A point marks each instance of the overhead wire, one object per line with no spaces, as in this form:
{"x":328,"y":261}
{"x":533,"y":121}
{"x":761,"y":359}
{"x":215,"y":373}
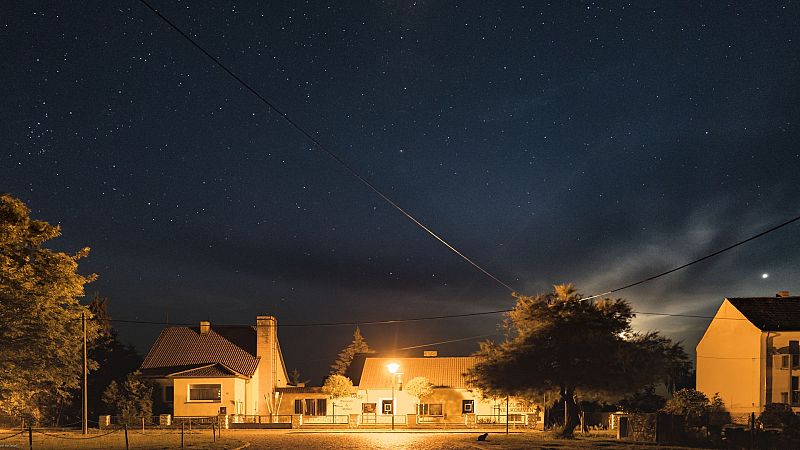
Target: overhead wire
{"x":324,"y":148}
{"x":501,"y":311}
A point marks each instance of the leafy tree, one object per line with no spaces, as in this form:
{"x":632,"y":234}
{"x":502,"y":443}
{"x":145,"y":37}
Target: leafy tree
{"x":337,"y":386}
{"x":419,"y":387}
{"x":693,"y":404}
{"x":559,"y":342}
{"x":359,"y":345}
{"x":643,"y":401}
{"x":41,"y":339}
{"x":131,"y":399}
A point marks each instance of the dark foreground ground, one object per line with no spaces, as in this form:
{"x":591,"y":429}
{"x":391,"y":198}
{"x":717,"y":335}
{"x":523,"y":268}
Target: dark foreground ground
{"x":426,"y":441}
{"x":297,"y":439}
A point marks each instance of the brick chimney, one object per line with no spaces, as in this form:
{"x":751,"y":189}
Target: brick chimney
{"x":267,"y":351}
{"x":782,"y":294}
{"x":205,"y":327}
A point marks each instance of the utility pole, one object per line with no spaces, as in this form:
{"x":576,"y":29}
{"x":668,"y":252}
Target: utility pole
{"x":84,"y":420}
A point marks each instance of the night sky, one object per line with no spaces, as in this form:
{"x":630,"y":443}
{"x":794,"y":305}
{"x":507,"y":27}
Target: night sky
{"x":579,"y":142}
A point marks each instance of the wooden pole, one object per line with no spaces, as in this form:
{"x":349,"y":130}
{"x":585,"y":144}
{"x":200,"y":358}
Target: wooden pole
{"x":85,"y":408}
{"x":126,"y":436}
{"x":181,"y":434}
{"x":30,"y":437}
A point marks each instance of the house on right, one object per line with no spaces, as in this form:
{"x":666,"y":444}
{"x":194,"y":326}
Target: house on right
{"x":750,"y":355}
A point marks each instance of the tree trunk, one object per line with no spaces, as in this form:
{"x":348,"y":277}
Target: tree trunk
{"x":571,"y":413}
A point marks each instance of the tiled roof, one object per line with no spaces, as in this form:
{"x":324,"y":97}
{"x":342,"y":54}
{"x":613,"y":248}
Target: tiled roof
{"x":440,"y":371}
{"x":185,"y":347}
{"x":206,"y":371}
{"x":770,"y":313}
{"x":300,"y":390}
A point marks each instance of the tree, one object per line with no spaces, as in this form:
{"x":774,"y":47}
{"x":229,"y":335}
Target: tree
{"x":131,"y":399}
{"x":420,"y":388}
{"x":295,"y":378}
{"x":559,"y":342}
{"x":40,"y":316}
{"x":643,"y":401}
{"x":359,"y":345}
{"x":337,"y":386}
{"x":693,"y":404}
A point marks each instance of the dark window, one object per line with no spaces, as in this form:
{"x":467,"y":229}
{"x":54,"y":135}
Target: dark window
{"x":795,"y":361}
{"x":205,"y":392}
{"x":467,"y":406}
{"x":298,"y":406}
{"x":311,"y":407}
{"x":322,"y":407}
{"x":169,"y":394}
{"x":795,"y":390}
{"x":784,"y":361}
{"x":430,"y":409}
{"x":369,"y":408}
{"x":795,"y":383}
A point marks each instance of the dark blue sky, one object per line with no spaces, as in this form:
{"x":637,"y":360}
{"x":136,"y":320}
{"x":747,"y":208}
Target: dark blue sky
{"x":576,"y":141}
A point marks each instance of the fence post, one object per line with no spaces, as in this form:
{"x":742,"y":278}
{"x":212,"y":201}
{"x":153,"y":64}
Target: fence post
{"x":30,"y":437}
{"x":182,"y":434}
{"x":213,"y":432}
{"x":126,"y":436}
{"x":142,"y":424}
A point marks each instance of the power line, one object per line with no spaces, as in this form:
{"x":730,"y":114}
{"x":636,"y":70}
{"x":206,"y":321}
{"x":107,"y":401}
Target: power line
{"x":471,"y":338}
{"x":322,"y":147}
{"x":711,"y":255}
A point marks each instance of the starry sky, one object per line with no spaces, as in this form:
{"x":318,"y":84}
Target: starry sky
{"x":588,"y":142}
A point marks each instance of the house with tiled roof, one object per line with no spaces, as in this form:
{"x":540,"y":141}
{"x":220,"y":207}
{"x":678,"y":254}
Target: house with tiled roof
{"x":380,"y":396}
{"x":750,"y":355}
{"x":210,"y":370}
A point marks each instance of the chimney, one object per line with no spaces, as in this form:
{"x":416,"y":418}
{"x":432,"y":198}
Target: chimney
{"x":430,"y":353}
{"x":782,"y":294}
{"x":267,"y":352}
{"x":205,"y":327}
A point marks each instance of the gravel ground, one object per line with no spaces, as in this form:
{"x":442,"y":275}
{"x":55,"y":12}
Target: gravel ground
{"x":419,"y":441}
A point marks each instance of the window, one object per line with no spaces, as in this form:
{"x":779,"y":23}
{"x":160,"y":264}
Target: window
{"x":205,"y":392}
{"x":169,"y":394}
{"x":386,"y":407}
{"x":311,"y":406}
{"x":467,"y":406}
{"x":784,"y":361}
{"x":794,"y":350}
{"x":369,"y":408}
{"x":430,"y":409}
{"x":322,"y":407}
{"x":795,"y":390}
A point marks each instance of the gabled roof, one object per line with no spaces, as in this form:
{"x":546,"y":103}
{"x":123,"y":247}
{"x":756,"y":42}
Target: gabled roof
{"x":184,"y":348}
{"x":207,"y":371}
{"x":770,"y":313}
{"x":440,"y":371}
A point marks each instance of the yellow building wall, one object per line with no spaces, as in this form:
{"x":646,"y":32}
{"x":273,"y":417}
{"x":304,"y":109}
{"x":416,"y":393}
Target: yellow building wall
{"x":729,"y":361}
{"x":233,"y":394}
{"x":782,"y":377}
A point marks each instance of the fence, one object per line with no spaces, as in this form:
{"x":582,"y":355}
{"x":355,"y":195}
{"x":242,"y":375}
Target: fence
{"x":383,"y":419}
{"x":272,"y":418}
{"x":112,"y":437}
{"x":326,"y":420}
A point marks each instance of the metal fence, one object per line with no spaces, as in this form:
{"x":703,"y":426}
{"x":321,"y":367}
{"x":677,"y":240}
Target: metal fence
{"x":326,"y":420}
{"x":383,"y":419}
{"x":270,"y":418}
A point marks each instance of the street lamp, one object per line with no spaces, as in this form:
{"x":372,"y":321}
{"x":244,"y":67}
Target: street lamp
{"x":393,"y":370}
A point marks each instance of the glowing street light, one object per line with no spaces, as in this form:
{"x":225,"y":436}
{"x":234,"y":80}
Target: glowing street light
{"x":393,"y":367}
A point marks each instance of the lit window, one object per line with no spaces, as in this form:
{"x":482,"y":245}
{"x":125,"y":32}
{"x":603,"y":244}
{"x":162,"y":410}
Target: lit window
{"x":205,"y":392}
{"x":386,"y":407}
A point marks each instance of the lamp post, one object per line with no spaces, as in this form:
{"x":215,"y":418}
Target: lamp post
{"x":393,"y":370}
